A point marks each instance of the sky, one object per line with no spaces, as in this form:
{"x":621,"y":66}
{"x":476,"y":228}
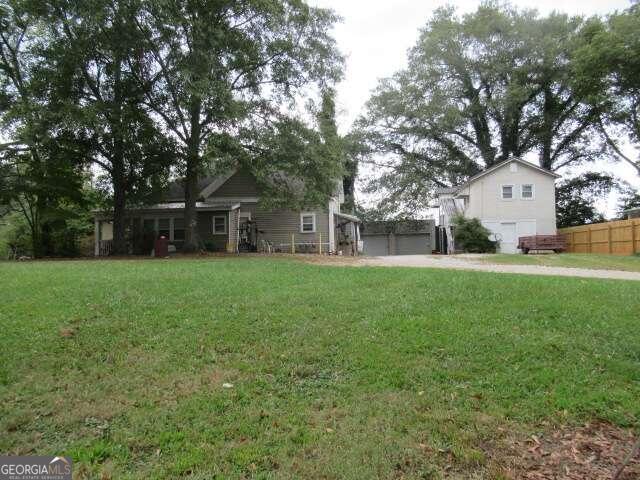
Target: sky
{"x":375,"y":35}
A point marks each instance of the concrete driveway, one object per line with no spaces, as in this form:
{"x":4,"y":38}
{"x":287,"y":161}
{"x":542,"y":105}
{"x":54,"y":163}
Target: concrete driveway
{"x":475,"y":262}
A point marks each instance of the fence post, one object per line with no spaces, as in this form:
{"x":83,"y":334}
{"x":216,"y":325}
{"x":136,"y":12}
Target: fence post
{"x":609,"y":238}
{"x":320,"y":244}
{"x":293,"y":245}
{"x":589,"y":247}
{"x":633,"y":237}
{"x":573,"y":241}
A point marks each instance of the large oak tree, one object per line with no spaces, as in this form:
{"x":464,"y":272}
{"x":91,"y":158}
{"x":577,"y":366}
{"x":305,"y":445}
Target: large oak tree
{"x":477,"y":90}
{"x":223,"y":76}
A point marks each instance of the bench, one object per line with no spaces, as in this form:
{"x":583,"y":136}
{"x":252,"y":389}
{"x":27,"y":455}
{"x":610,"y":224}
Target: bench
{"x":557,"y":243}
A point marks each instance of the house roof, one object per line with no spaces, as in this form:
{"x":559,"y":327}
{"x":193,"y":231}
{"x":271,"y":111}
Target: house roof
{"x":346,"y":216}
{"x":493,"y":168}
{"x":175,"y":189}
{"x":398,"y":226}
{"x":173,"y":206}
{"x":506,"y":162}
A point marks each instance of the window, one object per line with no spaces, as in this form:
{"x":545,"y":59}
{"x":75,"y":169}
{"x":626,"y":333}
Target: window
{"x":507,"y":192}
{"x":178,"y":229}
{"x":219,"y":224}
{"x":307,"y":222}
{"x":527,"y":192}
{"x":149,"y":225}
{"x":164,"y":227}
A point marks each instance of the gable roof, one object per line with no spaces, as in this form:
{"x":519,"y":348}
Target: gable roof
{"x":206,"y":186}
{"x":175,"y":189}
{"x":506,"y":162}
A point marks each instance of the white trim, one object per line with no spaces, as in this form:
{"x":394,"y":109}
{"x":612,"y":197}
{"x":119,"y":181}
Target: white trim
{"x":513,"y":192}
{"x":307,"y":214}
{"x":533,"y":192}
{"x":217,"y":183}
{"x":232,"y":200}
{"x":226,"y":224}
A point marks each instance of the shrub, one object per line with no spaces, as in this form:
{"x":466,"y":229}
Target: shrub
{"x":471,"y":236}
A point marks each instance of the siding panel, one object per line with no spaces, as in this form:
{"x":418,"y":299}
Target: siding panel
{"x":241,"y":184}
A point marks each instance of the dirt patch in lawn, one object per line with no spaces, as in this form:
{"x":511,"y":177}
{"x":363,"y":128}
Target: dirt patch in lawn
{"x":593,"y":451}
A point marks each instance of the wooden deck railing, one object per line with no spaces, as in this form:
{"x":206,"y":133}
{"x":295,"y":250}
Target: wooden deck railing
{"x":617,"y":238}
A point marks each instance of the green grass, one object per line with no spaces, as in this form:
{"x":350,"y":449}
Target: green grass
{"x":337,"y":372}
{"x":572,"y":260}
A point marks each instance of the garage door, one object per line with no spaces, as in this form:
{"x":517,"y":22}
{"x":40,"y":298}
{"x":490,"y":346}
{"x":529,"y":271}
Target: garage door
{"x":375,"y":245}
{"x":508,"y":232}
{"x":418,"y":244}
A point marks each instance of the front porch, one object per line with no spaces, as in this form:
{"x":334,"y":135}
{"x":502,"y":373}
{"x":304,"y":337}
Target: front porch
{"x":234,"y":228}
{"x":217,"y":228}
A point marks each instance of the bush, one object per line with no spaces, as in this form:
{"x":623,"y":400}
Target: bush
{"x":15,"y":237}
{"x":471,"y":236}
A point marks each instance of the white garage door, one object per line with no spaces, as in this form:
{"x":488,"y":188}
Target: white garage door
{"x":509,"y":231}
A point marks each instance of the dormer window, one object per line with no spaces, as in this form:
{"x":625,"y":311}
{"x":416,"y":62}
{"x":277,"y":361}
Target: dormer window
{"x":507,"y":192}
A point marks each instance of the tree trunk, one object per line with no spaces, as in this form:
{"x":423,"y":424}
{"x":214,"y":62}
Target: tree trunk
{"x":191,"y":192}
{"x":119,"y":209}
{"x":118,"y":173}
{"x":547,"y":130}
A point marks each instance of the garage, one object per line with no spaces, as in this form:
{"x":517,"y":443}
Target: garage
{"x":376,"y":245}
{"x":401,"y":237}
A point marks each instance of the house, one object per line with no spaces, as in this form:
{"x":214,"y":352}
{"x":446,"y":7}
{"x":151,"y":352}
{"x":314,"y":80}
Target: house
{"x":399,"y":237}
{"x":632,"y":213}
{"x":512,"y":199}
{"x":231,"y":219}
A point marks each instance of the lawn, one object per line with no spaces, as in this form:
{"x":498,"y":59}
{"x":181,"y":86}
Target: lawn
{"x":571,"y":260}
{"x":261,"y":368}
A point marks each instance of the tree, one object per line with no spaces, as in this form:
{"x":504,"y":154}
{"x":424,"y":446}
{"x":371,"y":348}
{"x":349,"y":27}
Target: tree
{"x":477,"y":90}
{"x":41,"y":162}
{"x":220,"y":72}
{"x":629,"y":199}
{"x":99,"y":45}
{"x":607,"y":69}
{"x":576,"y":199}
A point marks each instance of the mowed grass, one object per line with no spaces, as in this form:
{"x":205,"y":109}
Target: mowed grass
{"x":336,"y":372}
{"x":571,"y":260}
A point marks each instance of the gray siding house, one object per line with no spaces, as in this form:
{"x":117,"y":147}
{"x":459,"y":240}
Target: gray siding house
{"x":230,"y":219}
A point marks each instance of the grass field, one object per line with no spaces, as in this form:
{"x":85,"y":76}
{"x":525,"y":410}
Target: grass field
{"x":258,"y":368}
{"x":571,"y":260}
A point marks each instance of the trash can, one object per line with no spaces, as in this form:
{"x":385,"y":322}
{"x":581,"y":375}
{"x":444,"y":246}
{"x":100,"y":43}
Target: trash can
{"x":161,"y":247}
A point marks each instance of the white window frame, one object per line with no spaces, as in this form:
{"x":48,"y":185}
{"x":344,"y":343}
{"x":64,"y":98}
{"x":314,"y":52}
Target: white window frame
{"x":513,"y":192}
{"x":307,"y":214}
{"x":533,"y":192}
{"x":226,"y":224}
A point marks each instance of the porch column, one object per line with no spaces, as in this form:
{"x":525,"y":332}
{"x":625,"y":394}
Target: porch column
{"x":96,"y":237}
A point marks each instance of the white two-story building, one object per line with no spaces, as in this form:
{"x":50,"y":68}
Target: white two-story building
{"x":512,"y":199}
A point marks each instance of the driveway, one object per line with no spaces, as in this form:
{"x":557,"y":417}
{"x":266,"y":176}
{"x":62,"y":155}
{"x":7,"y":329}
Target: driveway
{"x":475,"y":262}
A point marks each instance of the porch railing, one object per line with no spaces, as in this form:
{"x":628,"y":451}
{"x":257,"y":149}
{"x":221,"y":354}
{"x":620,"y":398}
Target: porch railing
{"x":105,"y":248}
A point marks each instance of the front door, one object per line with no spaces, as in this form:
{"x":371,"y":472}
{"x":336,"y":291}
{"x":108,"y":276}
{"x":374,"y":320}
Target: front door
{"x":508,"y":242}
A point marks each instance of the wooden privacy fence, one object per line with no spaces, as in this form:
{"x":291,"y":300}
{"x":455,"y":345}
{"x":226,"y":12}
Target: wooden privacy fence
{"x":617,"y":238}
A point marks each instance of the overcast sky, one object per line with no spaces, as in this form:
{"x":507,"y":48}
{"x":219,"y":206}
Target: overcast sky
{"x":376,"y":34}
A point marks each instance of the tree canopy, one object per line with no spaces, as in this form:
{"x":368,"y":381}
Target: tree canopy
{"x":478,"y":89}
